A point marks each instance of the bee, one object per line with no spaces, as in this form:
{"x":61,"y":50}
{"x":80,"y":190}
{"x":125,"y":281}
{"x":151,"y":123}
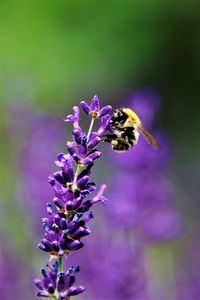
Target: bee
{"x":126,"y":127}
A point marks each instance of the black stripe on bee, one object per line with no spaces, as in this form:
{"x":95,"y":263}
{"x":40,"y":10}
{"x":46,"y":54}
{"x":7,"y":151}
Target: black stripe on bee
{"x":121,"y":146}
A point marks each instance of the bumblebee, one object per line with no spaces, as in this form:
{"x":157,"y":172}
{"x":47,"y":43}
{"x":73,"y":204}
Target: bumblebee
{"x":125,"y":127}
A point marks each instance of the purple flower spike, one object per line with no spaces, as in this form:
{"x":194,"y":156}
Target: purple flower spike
{"x":65,"y":226}
{"x":93,"y":110}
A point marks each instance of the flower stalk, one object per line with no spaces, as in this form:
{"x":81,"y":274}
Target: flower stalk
{"x":90,"y":128}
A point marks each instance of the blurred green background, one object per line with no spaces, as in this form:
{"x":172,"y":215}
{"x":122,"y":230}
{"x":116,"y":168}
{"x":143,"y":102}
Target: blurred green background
{"x":54,"y":54}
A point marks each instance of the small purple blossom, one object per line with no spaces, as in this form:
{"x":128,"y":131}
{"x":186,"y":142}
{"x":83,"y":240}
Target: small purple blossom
{"x":66,"y":223}
{"x":58,"y":285}
{"x":94,"y":110}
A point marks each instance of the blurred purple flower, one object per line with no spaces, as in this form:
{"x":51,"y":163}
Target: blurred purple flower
{"x":9,"y":280}
{"x":12,"y":279}
{"x":114,"y":269}
{"x":35,"y":134}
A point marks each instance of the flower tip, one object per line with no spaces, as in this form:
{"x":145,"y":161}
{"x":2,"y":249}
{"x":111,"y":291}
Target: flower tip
{"x":94,"y":106}
{"x":96,"y":97}
{"x":102,"y":188}
{"x":82,"y":288}
{"x":85,"y":107}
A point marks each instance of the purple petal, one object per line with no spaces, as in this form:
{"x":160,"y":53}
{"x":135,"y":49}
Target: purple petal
{"x":76,"y":111}
{"x":105,"y":110}
{"x":72,"y":151}
{"x":72,"y":291}
{"x":43,"y":294}
{"x":49,"y":208}
{"x":82,"y":150}
{"x":94,"y":106}
{"x":76,"y":203}
{"x":85,"y":206}
{"x":58,"y":176}
{"x":88,"y":217}
{"x":87,"y":161}
{"x":80,"y":232}
{"x":63,"y":160}
{"x":63,"y":224}
{"x":92,"y":156}
{"x":91,"y":186}
{"x":70,"y":118}
{"x":82,"y":181}
{"x":85,"y":107}
{"x":46,"y":244}
{"x":99,"y":196}
{"x":74,"y":118}
{"x":61,"y":282}
{"x":39,"y":284}
{"x":55,"y":246}
{"x":93,"y":142}
{"x":75,"y":245}
{"x":51,"y":180}
{"x":104,"y":124}
{"x":68,"y":174}
{"x":77,"y":135}
{"x":42,"y":247}
{"x":71,"y":148}
{"x":51,"y":289}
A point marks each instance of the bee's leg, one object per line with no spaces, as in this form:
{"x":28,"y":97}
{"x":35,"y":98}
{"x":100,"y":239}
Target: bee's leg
{"x":109,"y":138}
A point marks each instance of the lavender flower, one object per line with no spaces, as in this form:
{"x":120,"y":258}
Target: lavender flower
{"x":10,"y":281}
{"x":36,"y":133}
{"x":66,"y":223}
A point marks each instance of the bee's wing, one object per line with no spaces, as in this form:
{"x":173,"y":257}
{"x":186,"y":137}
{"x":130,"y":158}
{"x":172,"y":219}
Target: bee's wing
{"x":148,"y":136}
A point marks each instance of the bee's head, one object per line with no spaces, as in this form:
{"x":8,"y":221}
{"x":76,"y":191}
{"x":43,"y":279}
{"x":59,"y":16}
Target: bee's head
{"x":118,"y":118}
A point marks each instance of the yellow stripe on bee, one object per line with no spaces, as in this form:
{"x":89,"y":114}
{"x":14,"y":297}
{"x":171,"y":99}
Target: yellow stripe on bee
{"x":132,"y":115}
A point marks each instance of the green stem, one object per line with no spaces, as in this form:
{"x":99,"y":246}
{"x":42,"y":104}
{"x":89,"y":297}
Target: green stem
{"x":75,"y":177}
{"x":60,"y":266}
